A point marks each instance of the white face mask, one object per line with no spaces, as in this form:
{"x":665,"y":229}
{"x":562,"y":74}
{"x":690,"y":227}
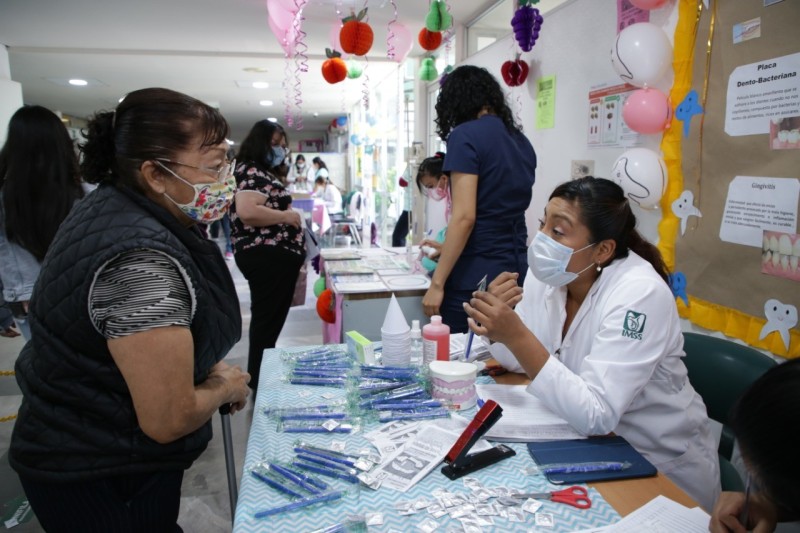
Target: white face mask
{"x":548,"y":260}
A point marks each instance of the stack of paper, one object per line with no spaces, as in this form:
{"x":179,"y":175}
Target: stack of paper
{"x":525,"y":418}
{"x":659,"y":515}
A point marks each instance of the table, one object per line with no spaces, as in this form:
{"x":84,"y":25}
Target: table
{"x":364,"y":310}
{"x":609,"y":500}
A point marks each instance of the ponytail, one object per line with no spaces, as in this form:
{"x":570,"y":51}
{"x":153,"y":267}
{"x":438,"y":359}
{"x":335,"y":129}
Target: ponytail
{"x":649,"y":253}
{"x":98,"y":150}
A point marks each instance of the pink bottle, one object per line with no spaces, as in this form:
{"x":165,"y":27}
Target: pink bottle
{"x":435,"y":340}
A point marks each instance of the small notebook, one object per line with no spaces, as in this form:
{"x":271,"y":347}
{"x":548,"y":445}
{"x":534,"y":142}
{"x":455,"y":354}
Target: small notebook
{"x":591,"y":450}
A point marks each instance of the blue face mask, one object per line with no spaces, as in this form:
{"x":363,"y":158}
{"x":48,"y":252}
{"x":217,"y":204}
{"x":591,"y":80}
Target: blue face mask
{"x":278,"y":155}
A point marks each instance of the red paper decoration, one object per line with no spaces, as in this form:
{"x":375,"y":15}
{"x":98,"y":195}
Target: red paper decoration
{"x":325,"y":306}
{"x":514,"y":72}
{"x":334,"y":68}
{"x":356,"y":37}
{"x":429,"y":40}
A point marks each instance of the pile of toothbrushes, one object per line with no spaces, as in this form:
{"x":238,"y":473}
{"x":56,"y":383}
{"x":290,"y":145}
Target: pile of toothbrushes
{"x":303,"y":489}
{"x":327,"y":367}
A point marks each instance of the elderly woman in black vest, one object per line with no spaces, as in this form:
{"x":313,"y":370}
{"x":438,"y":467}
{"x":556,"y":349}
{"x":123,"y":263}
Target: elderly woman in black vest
{"x":131,"y":316}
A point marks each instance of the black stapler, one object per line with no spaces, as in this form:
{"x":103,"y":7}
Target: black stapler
{"x":459,"y":461}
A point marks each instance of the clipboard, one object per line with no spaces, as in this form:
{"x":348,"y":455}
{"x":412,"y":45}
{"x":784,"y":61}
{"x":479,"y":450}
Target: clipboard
{"x":592,"y":449}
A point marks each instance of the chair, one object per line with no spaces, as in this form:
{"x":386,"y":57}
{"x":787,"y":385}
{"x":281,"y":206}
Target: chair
{"x":721,"y":371}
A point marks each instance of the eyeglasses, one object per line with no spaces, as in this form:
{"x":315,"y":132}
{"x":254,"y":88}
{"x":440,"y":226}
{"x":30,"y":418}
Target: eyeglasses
{"x":221,"y":173}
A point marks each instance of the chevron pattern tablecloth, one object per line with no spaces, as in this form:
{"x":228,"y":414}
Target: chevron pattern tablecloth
{"x":265,"y":443}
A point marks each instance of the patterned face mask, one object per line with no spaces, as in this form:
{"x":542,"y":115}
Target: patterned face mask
{"x":211,"y":200}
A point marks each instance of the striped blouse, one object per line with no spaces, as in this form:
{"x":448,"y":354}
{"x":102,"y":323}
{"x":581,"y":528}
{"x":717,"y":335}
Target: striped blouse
{"x":140,"y":290}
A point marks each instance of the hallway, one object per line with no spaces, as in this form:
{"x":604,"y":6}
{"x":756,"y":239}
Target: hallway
{"x":204,"y":500}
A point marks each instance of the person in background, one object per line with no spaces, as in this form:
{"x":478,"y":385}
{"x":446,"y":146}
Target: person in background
{"x":268,"y":240}
{"x":492,"y":168}
{"x":298,"y":176}
{"x":760,"y":421}
{"x":401,"y":228}
{"x":131,"y":315}
{"x":320,"y":169}
{"x":330,"y":194}
{"x":6,"y":320}
{"x":597,"y":331}
{"x":39,"y":183}
{"x":434,"y":184}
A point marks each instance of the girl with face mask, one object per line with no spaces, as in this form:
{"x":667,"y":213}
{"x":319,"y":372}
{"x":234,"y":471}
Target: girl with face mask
{"x":596,"y":330}
{"x":434,"y":184}
{"x":267,"y":235}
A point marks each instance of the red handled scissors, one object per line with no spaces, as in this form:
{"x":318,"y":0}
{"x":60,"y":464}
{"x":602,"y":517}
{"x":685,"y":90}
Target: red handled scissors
{"x":575,"y":496}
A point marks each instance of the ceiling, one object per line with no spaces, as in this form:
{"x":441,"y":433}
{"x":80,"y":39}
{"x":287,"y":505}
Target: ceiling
{"x":204,"y":48}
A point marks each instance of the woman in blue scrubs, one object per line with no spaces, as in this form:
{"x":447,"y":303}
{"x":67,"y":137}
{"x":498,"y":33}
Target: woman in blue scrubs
{"x":492,"y":168}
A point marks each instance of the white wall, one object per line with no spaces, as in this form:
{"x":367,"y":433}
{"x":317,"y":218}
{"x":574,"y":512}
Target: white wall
{"x":10,"y":95}
{"x":574,"y":45}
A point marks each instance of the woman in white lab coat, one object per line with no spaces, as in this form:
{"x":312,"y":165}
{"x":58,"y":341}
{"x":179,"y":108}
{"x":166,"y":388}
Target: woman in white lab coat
{"x":596,"y":329}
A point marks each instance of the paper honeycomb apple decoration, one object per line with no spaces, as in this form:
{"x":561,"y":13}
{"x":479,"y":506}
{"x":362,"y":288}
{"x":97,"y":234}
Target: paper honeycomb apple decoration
{"x":334,"y":68}
{"x":356,"y":36}
{"x":514,"y":72}
{"x":429,"y":40}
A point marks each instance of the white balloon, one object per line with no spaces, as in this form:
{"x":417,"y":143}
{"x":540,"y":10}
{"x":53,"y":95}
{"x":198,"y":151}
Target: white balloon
{"x":642,"y":174}
{"x":641,"y":54}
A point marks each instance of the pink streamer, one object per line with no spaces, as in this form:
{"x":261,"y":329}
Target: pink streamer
{"x":287,"y":89}
{"x":300,"y":62}
{"x":365,"y":85}
{"x":390,"y":36}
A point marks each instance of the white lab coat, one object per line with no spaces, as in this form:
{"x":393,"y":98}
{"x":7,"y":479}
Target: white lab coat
{"x":332,"y":197}
{"x":619,"y":369}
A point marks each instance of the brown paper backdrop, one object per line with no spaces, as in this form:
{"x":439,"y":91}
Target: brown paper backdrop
{"x":720,"y":272}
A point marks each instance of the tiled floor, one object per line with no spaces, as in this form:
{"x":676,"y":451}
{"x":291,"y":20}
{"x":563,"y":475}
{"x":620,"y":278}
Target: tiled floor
{"x":204,"y":501}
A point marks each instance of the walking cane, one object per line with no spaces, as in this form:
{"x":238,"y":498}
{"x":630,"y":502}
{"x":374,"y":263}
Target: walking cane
{"x":233,"y":487}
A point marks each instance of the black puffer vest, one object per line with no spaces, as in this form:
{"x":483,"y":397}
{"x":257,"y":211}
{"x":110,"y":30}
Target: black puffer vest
{"x":77,"y":420}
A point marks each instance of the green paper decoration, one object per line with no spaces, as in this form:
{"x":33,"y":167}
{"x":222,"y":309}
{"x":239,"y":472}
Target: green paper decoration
{"x":427,"y":70}
{"x":319,"y":286}
{"x":438,"y":19}
{"x":354,"y":69}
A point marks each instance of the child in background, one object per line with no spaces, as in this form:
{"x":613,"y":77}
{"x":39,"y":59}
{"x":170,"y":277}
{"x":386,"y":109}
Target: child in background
{"x":432,"y":182}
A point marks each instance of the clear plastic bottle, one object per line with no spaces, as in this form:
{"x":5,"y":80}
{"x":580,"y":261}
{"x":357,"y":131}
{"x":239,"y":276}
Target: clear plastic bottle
{"x":416,"y":343}
{"x":435,"y":341}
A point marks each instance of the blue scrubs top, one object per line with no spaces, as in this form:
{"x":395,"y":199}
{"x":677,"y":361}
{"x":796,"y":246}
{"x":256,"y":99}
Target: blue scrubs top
{"x":505,"y":164}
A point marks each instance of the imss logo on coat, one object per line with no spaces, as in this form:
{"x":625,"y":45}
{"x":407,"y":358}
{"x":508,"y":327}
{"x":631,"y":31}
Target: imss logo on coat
{"x":634,"y":325}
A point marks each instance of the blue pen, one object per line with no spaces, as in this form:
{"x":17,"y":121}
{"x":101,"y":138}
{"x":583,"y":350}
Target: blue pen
{"x":308,"y":479}
{"x":297,"y":480}
{"x":481,"y":287}
{"x":326,"y":472}
{"x":305,"y":502}
{"x":275,"y":485}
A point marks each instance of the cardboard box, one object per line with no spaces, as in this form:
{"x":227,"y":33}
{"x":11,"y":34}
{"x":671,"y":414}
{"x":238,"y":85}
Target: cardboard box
{"x":360,"y":347}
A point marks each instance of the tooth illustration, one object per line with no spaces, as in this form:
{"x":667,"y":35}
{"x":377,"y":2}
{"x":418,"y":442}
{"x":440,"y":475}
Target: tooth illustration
{"x":684,"y":208}
{"x":781,"y":318}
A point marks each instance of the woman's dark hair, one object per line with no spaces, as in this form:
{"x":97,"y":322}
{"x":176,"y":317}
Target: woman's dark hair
{"x":257,"y":146}
{"x":320,"y":181}
{"x":320,"y":162}
{"x":300,"y":157}
{"x":148,"y":124}
{"x":39,"y":178}
{"x":465,"y":93}
{"x":430,"y":166}
{"x":607,"y":214}
{"x":760,"y":420}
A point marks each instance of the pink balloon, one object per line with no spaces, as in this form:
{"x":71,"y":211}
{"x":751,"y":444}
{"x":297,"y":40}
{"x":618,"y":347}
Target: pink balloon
{"x":403,"y":41}
{"x":282,"y":18}
{"x":285,"y":38}
{"x":648,"y":4}
{"x":647,"y":111}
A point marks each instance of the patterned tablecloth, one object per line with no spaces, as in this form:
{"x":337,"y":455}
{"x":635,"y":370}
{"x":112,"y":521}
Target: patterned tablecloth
{"x":265,"y":443}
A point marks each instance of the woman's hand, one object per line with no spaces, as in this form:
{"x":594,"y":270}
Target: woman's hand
{"x":505,"y":287}
{"x":293,"y":218}
{"x":433,"y":300}
{"x":9,"y":332}
{"x":490,"y":316}
{"x":761,"y":514}
{"x":236,"y":382}
{"x":437,"y":249}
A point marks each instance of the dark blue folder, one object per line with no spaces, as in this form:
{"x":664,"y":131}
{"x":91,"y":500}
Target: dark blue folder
{"x":591,"y":450}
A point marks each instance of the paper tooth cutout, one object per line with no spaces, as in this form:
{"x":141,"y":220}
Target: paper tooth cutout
{"x":780,"y":317}
{"x":688,"y":108}
{"x":677,"y":282}
{"x":684,"y":208}
{"x":395,"y":321}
